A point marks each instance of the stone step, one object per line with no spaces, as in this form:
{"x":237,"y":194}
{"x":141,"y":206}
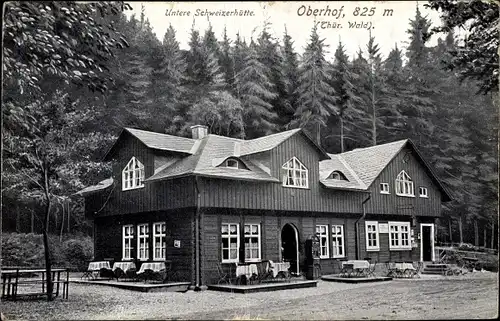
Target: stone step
{"x":432,"y":272}
{"x":435,"y":268}
{"x":436,"y":265}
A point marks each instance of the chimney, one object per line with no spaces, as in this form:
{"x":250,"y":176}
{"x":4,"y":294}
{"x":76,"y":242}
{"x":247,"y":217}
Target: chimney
{"x":199,"y":131}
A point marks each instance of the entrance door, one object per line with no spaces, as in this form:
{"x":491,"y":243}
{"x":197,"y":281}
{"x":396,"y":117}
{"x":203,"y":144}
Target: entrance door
{"x":427,"y":242}
{"x":290,"y":246}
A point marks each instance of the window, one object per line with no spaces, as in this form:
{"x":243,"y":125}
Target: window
{"x":399,"y":236}
{"x":384,"y":188}
{"x":230,"y":234}
{"x":322,"y":233}
{"x":404,"y":185}
{"x":372,"y":243}
{"x":233,"y":163}
{"x":143,"y":241}
{"x":422,"y":191}
{"x":159,"y":241}
{"x":252,"y":242}
{"x":338,"y":240}
{"x":133,"y":175}
{"x":295,"y":174}
{"x":127,"y":237}
{"x":338,"y":176}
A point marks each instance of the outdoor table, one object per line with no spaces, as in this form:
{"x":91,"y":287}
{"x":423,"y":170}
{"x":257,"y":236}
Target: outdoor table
{"x":398,"y":269}
{"x":247,"y":270}
{"x":124,"y":266}
{"x":96,"y":266}
{"x":154,"y":266}
{"x":360,"y":267}
{"x":277,"y":267}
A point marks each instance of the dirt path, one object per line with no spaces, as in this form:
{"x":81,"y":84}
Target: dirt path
{"x":474,"y":296}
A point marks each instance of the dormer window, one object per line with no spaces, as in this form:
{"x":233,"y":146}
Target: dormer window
{"x":133,"y":175}
{"x":338,"y":176}
{"x":295,"y":174}
{"x":234,"y":163}
{"x":404,"y":185}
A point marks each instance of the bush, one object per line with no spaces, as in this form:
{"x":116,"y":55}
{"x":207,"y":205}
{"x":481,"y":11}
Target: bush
{"x":26,"y":250}
{"x":77,"y":252}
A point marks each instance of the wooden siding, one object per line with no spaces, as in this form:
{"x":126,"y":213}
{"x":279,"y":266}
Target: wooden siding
{"x":401,"y":205}
{"x":384,"y":254}
{"x":272,"y":223}
{"x":273,"y":196}
{"x":154,"y":196}
{"x":108,"y":237}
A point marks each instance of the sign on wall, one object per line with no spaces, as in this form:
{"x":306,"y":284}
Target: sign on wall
{"x":177,"y":243}
{"x":383,"y":227}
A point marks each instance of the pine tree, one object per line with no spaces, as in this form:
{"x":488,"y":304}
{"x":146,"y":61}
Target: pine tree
{"x":203,"y":71}
{"x":393,"y":99}
{"x":256,"y":93}
{"x":343,"y":84}
{"x":421,"y":83}
{"x":226,"y":61}
{"x":315,"y":95}
{"x":290,"y":67}
{"x":167,"y":84}
{"x":269,"y":54}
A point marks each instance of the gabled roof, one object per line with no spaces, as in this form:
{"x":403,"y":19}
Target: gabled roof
{"x":157,"y":141}
{"x":369,"y":162}
{"x":366,"y":164}
{"x":269,"y":142}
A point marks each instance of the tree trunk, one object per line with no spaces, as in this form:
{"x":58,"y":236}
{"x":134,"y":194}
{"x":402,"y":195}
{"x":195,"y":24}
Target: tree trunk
{"x":318,"y":134}
{"x":485,"y":242}
{"x":62,"y":222}
{"x":32,"y":219}
{"x":460,"y":230}
{"x":341,"y":135}
{"x":69,"y":217}
{"x":492,"y":235}
{"x":374,"y":116}
{"x":476,"y":233}
{"x":449,"y":230}
{"x":18,"y":218}
{"x":48,"y":263}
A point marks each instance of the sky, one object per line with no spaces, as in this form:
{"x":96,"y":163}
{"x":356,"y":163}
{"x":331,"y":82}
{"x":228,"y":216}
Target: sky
{"x":387,"y":22}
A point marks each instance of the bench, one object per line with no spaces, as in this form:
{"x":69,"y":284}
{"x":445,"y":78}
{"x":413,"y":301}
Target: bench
{"x":13,"y":280}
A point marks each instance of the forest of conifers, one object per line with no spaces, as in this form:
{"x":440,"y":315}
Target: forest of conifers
{"x":60,"y":120}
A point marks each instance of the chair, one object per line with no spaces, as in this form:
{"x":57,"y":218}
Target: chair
{"x":263,"y":271}
{"x":223,"y":276}
{"x":106,"y":273}
{"x":147,"y":275}
{"x":131,"y":273}
{"x":118,"y":273}
{"x":371,"y":269}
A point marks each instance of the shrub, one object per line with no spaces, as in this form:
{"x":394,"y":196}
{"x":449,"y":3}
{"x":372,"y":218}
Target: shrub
{"x":26,"y":250}
{"x":77,"y":251}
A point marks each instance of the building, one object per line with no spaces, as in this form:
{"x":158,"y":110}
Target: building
{"x":211,"y":199}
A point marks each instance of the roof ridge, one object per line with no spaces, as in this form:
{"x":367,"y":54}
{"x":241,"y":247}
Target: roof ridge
{"x":157,"y":133}
{"x":353,"y":172}
{"x":376,"y":146}
{"x":273,"y":135}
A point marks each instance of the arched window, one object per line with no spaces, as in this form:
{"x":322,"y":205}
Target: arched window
{"x":233,"y":163}
{"x":404,"y":185}
{"x":338,"y":176}
{"x":295,"y":174}
{"x":133,"y":175}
